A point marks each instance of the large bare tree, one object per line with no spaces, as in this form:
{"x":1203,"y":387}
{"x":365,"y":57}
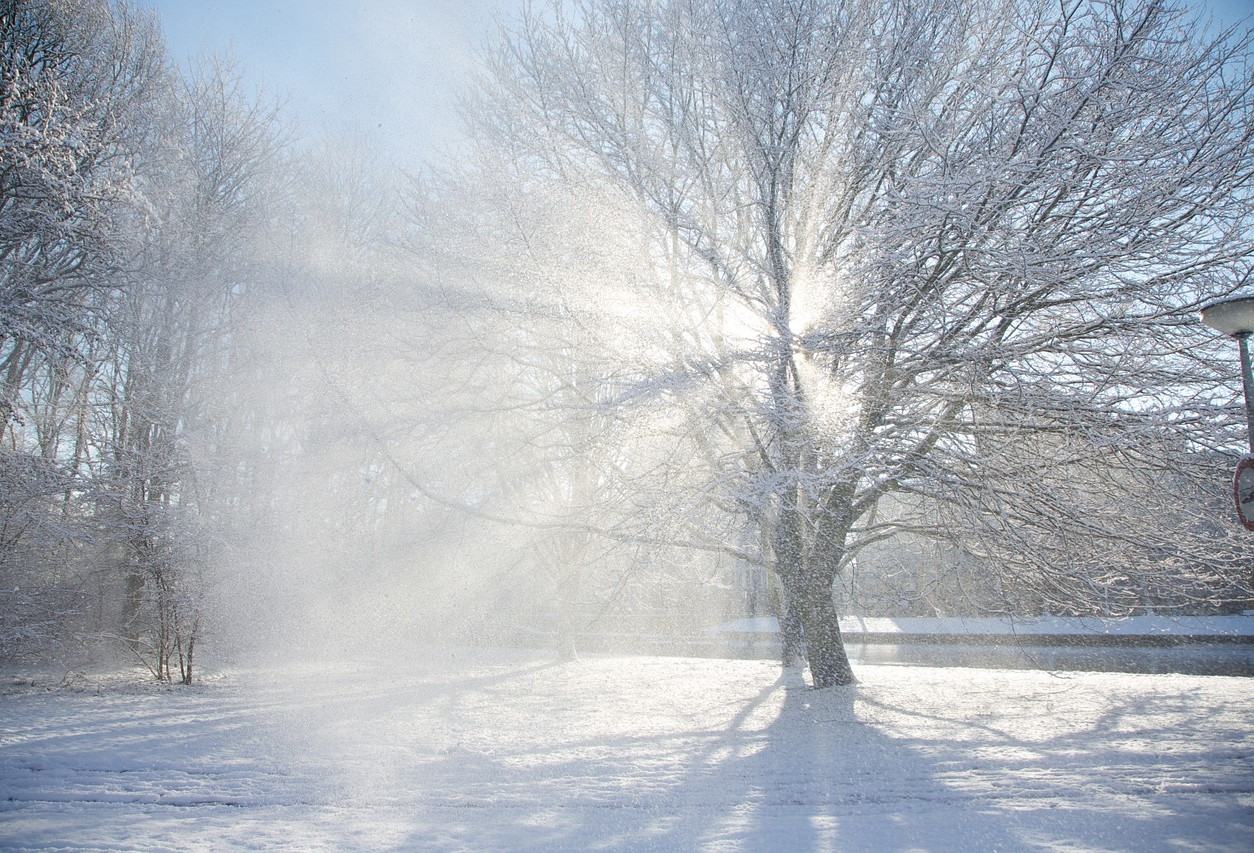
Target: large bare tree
{"x":959,"y":244}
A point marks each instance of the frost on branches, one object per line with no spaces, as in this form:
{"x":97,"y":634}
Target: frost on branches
{"x":950,"y":253}
{"x":123,"y":192}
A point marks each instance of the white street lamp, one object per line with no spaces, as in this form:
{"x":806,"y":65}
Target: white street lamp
{"x":1235,"y":317}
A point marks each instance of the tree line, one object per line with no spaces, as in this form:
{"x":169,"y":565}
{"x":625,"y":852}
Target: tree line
{"x":813,"y":288}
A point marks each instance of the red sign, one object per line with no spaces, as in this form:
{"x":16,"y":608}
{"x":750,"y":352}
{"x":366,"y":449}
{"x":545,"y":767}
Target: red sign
{"x":1243,"y":491}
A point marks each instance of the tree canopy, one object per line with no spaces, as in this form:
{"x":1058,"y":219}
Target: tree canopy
{"x":962,"y":243}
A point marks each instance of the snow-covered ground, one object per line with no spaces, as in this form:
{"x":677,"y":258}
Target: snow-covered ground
{"x":513,"y":751}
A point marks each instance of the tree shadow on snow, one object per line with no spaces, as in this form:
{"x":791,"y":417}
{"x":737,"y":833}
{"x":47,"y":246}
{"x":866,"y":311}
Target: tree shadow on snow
{"x":819,"y":778}
{"x":848,"y":769}
{"x":814,"y":778}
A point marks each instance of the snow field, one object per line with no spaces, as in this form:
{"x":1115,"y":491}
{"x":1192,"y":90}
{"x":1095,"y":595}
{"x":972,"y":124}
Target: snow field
{"x":512,"y":751}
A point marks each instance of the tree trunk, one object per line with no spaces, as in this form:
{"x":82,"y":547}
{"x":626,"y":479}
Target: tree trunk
{"x":808,"y":600}
{"x":786,"y":546}
{"x":808,"y":612}
{"x":185,"y":662}
{"x":790,"y":630}
{"x":825,"y":648}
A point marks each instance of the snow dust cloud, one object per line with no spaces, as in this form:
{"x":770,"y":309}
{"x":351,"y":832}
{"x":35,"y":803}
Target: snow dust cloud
{"x":458,"y":442}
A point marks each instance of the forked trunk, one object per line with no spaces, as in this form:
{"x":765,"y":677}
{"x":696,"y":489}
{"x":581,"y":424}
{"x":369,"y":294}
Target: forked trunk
{"x":809,"y":600}
{"x":825,"y":648}
{"x":808,"y":614}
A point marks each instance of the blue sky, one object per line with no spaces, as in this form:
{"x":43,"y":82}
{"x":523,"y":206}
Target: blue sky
{"x":386,"y":68}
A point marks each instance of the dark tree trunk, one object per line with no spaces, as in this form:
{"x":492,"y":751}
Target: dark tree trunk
{"x":808,"y":600}
{"x":788,"y":568}
{"x":825,"y":648}
{"x":790,"y":631}
{"x":808,"y":611}
{"x":185,"y":663}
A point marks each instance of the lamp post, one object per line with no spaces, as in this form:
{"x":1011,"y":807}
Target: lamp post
{"x":1235,"y":318}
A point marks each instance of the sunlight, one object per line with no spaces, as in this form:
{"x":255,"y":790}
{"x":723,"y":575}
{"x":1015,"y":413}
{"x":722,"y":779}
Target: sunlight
{"x":832,"y":405}
{"x":819,"y":308}
{"x":359,"y":494}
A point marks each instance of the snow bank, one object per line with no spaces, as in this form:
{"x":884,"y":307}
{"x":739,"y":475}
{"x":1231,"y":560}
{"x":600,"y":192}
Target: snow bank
{"x":1234,"y":627}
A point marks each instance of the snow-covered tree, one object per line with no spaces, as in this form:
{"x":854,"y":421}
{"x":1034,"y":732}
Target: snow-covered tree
{"x":80,"y":86}
{"x":174,"y":333}
{"x":957,"y":246}
{"x":78,"y":79}
{"x":132,"y":201}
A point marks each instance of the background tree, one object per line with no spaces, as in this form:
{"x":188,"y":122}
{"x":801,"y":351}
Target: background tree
{"x":77,"y":84}
{"x":131,"y":205}
{"x":174,"y":334}
{"x":80,"y":89}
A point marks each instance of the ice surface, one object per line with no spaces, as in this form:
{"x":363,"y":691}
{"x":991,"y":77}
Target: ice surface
{"x":512,"y":751}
